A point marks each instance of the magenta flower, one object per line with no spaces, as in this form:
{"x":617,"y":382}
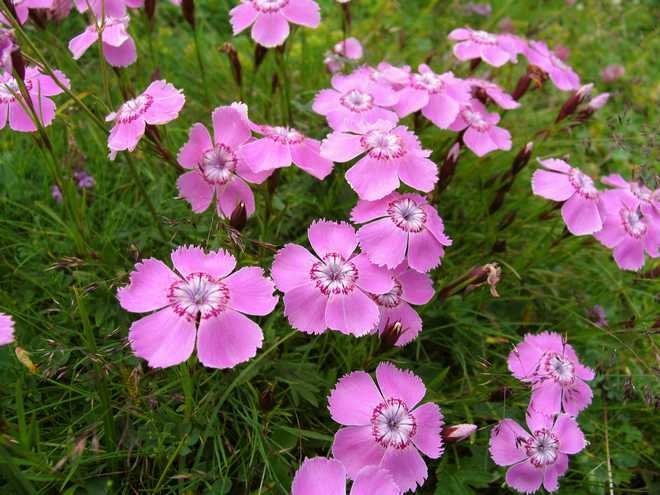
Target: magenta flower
{"x":493,"y":92}
{"x":329,"y":290}
{"x":159,"y":104}
{"x":283,"y":146}
{"x":40,"y":87}
{"x":438,"y":96}
{"x":384,"y":426}
{"x":390,"y":154}
{"x":481,"y":135}
{"x":402,"y":227}
{"x":536,"y":458}
{"x":107,"y":8}
{"x":22,"y":8}
{"x":217,"y":166}
{"x":348,"y":49}
{"x":7,"y":47}
{"x":561,"y":75}
{"x":410,"y":287}
{"x":118,"y":46}
{"x":6,"y":329}
{"x":270,"y":18}
{"x":329,"y":476}
{"x":649,"y":201}
{"x":557,"y":377}
{"x":355,"y":100}
{"x":388,"y":74}
{"x":201,"y":303}
{"x":561,"y":182}
{"x":493,"y":49}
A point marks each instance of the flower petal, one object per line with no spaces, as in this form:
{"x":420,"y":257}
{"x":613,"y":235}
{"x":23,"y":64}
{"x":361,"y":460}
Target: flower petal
{"x":354,"y":398}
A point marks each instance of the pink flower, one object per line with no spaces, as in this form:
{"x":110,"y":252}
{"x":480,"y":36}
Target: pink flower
{"x":493,"y":92}
{"x":118,"y":46}
{"x":158,"y":105}
{"x":388,"y":74}
{"x":493,"y":49}
{"x":481,"y":132}
{"x":410,"y":287}
{"x":348,"y":49}
{"x":612,"y":72}
{"x":7,"y":47}
{"x":331,"y":289}
{"x":40,"y":88}
{"x":391,"y":154}
{"x":557,"y":377}
{"x":270,"y":18}
{"x":384,"y":426}
{"x":536,"y":458}
{"x":438,"y":96}
{"x":562,"y":76}
{"x":217,"y":166}
{"x":283,"y":146}
{"x":561,"y":182}
{"x":203,"y":290}
{"x":330,"y":474}
{"x":649,"y":200}
{"x":107,"y":8}
{"x":402,"y":227}
{"x":355,"y":100}
{"x":22,"y":8}
{"x":6,"y":329}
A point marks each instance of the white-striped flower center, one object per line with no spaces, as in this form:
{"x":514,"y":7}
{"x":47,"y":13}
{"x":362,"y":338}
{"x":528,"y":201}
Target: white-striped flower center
{"x":132,"y":109}
{"x":383,"y":145}
{"x":392,"y":424}
{"x":483,"y":37}
{"x":357,"y":101}
{"x":475,"y":120}
{"x":218,"y":164}
{"x":284,"y":135}
{"x":269,"y":6}
{"x":407,"y":215}
{"x":198,"y":294}
{"x":8,"y":89}
{"x":583,"y":184}
{"x":558,"y":368}
{"x":542,"y":448}
{"x":334,"y":274}
{"x":633,"y":222}
{"x":392,"y":299}
{"x":427,"y":81}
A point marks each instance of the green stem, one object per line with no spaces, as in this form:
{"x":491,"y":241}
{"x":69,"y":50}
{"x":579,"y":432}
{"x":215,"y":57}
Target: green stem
{"x":200,"y":62}
{"x":286,"y":84}
{"x":188,"y":391}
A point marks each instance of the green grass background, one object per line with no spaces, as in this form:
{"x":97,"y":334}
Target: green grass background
{"x":95,"y":420}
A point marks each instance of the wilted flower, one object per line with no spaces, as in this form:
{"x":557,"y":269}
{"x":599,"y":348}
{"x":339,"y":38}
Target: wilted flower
{"x":118,"y":46}
{"x":330,"y":474}
{"x":6,"y":329}
{"x":83,"y":179}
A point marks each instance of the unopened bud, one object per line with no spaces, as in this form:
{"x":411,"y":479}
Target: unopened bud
{"x":18,"y":63}
{"x":537,"y":75}
{"x":477,"y":276}
{"x":188,"y":11}
{"x":521,"y":87}
{"x":7,"y":49}
{"x":259,"y":55}
{"x":346,"y":10}
{"x":24,"y":358}
{"x":150,"y":9}
{"x":456,"y":433}
{"x":391,"y":335}
{"x":238,"y":217}
{"x":522,"y":158}
{"x":569,"y":107}
{"x":234,"y":62}
{"x":449,"y":166}
{"x":267,"y":400}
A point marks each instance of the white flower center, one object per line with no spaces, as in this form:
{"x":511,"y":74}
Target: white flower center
{"x":558,"y":368}
{"x":132,"y":109}
{"x":218,"y":164}
{"x":633,"y":222}
{"x":357,"y":101}
{"x":583,"y":184}
{"x":392,"y":298}
{"x":475,"y":120}
{"x":269,"y":6}
{"x":542,"y":448}
{"x":198,"y":293}
{"x":427,"y":81}
{"x":9,"y":88}
{"x":383,"y":145}
{"x":407,"y":215}
{"x":334,"y":275}
{"x":392,"y":425}
{"x":483,"y":37}
{"x":284,"y":135}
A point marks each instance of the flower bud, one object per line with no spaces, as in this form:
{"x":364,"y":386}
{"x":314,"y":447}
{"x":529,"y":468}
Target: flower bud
{"x":150,"y":9}
{"x":234,"y":62}
{"x":18,"y":63}
{"x":488,"y":274}
{"x":449,"y":166}
{"x":188,"y":11}
{"x":456,"y":433}
{"x":573,"y":101}
{"x":521,"y":87}
{"x":10,"y":6}
{"x":522,"y":158}
{"x":259,"y":55}
{"x":390,"y":335}
{"x":238,"y":217}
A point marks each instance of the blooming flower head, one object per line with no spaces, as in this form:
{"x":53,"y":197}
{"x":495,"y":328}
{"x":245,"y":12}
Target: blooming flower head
{"x":560,"y":73}
{"x":649,"y":201}
{"x":540,"y":456}
{"x":562,"y":182}
{"x":40,"y":87}
{"x":159,"y":104}
{"x":482,"y":135}
{"x":557,"y":377}
{"x":354,"y":100}
{"x":390,"y":154}
{"x":7,"y":47}
{"x":348,"y":49}
{"x":202,"y":302}
{"x":282,"y":146}
{"x":331,"y":288}
{"x":118,"y":46}
{"x":401,"y":227}
{"x":384,"y":425}
{"x":107,"y":8}
{"x":487,"y":90}
{"x":217,"y":166}
{"x":270,"y":18}
{"x":438,"y":96}
{"x":493,"y":49}
{"x":6,"y":329}
{"x":22,"y":8}
{"x":612,"y":72}
{"x":329,"y":475}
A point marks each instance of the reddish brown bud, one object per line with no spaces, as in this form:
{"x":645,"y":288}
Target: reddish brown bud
{"x":521,"y":87}
{"x":150,"y":9}
{"x":391,"y":335}
{"x":234,"y":62}
{"x":238,"y":217}
{"x":522,"y":158}
{"x":10,"y":6}
{"x":570,"y":105}
{"x":259,"y":55}
{"x":456,"y":433}
{"x":188,"y":11}
{"x":18,"y":63}
{"x":449,"y":166}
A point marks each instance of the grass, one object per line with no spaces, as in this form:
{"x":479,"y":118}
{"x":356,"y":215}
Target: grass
{"x":93,"y":419}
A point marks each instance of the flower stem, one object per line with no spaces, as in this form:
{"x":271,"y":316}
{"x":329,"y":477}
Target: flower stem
{"x":286,"y":84}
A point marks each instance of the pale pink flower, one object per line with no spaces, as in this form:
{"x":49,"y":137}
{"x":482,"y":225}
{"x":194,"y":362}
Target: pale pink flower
{"x":482,"y":135}
{"x":456,"y":433}
{"x":204,"y":304}
{"x":22,"y":8}
{"x":282,"y":146}
{"x":384,"y":425}
{"x":7,"y":47}
{"x":159,"y":104}
{"x":438,"y":96}
{"x":401,"y":227}
{"x":560,"y":73}
{"x":612,"y":72}
{"x":649,"y":200}
{"x":493,"y":49}
{"x":388,"y":74}
{"x":390,"y":154}
{"x":562,"y":182}
{"x":348,"y":49}
{"x":322,"y":476}
{"x":118,"y":46}
{"x":107,"y":8}
{"x":40,"y":87}
{"x":216,"y":164}
{"x":6,"y":329}
{"x":536,"y":458}
{"x":556,"y":375}
{"x":330,"y":289}
{"x":599,"y":101}
{"x":493,"y":92}
{"x":270,"y":18}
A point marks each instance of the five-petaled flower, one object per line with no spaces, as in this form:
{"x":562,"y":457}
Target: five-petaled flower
{"x":482,"y":135}
{"x":493,"y":49}
{"x":118,"y":46}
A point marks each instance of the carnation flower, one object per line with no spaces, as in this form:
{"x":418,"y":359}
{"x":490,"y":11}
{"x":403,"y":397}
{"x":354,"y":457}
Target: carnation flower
{"x":6,"y":329}
{"x":539,"y":457}
{"x":557,"y":377}
{"x":649,"y":201}
{"x":202,"y":302}
{"x":330,"y":474}
{"x":332,"y":288}
{"x":270,"y":18}
{"x":493,"y":49}
{"x":491,"y":91}
{"x":401,"y":227}
{"x":481,"y":135}
{"x":388,"y":74}
{"x":390,"y":154}
{"x":560,"y":73}
{"x":384,"y":425}
{"x":107,"y":8}
{"x":22,"y":9}
{"x":118,"y":46}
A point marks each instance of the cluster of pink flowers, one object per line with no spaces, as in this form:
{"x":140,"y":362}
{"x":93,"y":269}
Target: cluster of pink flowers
{"x":559,"y":393}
